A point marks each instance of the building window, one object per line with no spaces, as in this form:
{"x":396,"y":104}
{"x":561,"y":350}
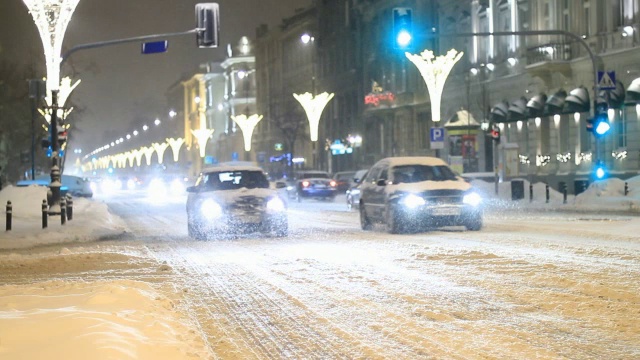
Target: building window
{"x":423,"y":130}
{"x":566,"y":23}
{"x":545,"y":136}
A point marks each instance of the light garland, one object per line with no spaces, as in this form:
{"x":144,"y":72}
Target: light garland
{"x":619,"y":155}
{"x":542,"y":160}
{"x":583,"y":157}
{"x":564,"y":158}
{"x":524,"y":159}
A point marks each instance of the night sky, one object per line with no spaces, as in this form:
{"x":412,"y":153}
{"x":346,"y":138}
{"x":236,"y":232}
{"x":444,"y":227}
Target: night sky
{"x":118,"y":83}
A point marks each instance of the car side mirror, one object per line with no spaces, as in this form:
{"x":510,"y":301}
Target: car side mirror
{"x":381,"y":182}
{"x":192,"y":189}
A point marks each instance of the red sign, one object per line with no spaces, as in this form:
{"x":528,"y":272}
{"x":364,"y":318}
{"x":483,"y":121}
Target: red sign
{"x":376,"y":98}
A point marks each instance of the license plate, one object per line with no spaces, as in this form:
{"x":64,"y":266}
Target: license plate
{"x":320,"y":186}
{"x":446,"y":211}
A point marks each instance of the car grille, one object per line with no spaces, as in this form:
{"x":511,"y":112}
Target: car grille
{"x":444,"y":197}
{"x":249,"y":205}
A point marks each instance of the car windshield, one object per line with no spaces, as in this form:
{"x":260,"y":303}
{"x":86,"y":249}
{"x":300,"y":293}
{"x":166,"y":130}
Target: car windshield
{"x":231,"y":180}
{"x":418,"y":173}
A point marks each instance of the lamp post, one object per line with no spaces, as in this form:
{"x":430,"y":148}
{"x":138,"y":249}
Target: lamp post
{"x":51,"y":18}
{"x":247,"y":125}
{"x":313,"y":106}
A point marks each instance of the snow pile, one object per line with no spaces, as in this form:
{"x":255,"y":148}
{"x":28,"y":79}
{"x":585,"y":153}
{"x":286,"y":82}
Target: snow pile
{"x":601,"y":195}
{"x":91,"y":220}
{"x":97,"y":320}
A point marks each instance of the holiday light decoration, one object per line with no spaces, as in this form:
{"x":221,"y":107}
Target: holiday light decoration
{"x":202,"y":136}
{"x":247,"y":125}
{"x":434,"y":71}
{"x":175,"y":144}
{"x":313,"y":107}
{"x":160,"y":149}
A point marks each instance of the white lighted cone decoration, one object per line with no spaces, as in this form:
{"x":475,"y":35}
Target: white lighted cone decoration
{"x":247,"y":125}
{"x":313,"y":106}
{"x":160,"y":149}
{"x":148,"y":153}
{"x":175,"y":144}
{"x":52,"y":17}
{"x":139,"y":154}
{"x":63,"y":94}
{"x":202,"y":136}
{"x":434,"y":71}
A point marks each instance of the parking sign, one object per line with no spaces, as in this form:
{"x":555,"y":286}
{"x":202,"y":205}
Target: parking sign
{"x":437,"y":138}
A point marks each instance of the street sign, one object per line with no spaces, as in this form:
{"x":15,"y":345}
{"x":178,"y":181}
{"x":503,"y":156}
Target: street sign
{"x":607,"y":80}
{"x":437,"y":138}
{"x":155,"y":47}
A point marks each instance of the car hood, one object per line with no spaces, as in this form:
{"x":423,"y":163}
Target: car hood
{"x":423,"y":186}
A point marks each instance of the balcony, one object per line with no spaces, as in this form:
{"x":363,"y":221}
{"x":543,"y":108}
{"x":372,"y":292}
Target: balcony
{"x":546,"y":59}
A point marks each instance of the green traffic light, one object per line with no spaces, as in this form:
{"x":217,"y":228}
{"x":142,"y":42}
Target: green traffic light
{"x":404,"y":38}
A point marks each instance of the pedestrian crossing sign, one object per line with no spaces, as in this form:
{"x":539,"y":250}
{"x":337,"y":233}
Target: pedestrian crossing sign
{"x":607,"y":80}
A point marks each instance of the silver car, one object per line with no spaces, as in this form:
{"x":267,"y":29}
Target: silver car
{"x":407,"y":193}
{"x":235,"y":199}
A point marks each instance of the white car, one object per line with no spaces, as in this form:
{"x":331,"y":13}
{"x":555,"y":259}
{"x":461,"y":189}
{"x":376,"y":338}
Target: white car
{"x":234,"y":199}
{"x":406,"y":193}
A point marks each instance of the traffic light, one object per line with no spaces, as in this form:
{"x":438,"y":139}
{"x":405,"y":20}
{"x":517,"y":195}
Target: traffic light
{"x":62,"y":135}
{"x":600,"y":171}
{"x":402,"y":32}
{"x":600,"y":124}
{"x":590,"y":125}
{"x":208,"y":23}
{"x":495,"y":133}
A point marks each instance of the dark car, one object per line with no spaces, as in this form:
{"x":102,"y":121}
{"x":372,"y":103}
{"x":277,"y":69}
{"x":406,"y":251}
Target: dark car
{"x":344,"y":180}
{"x":407,"y":193}
{"x":234,"y":199}
{"x":313,"y":184}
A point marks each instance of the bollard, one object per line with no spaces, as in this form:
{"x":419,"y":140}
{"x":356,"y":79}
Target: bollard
{"x":626,"y":188}
{"x":530,"y":192}
{"x":564,"y":193}
{"x":69,"y":207}
{"x":9,"y":214}
{"x":63,"y":211}
{"x":45,"y":215}
{"x":546,"y":190}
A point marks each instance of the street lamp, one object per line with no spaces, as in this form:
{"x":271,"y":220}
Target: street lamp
{"x":313,"y":107}
{"x":51,"y":18}
{"x":434,"y":71}
{"x":247,"y":125}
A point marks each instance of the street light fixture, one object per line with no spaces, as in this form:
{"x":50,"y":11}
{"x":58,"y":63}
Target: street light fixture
{"x":157,"y":122}
{"x":434,"y":71}
{"x":313,"y":107}
{"x":247,"y":125}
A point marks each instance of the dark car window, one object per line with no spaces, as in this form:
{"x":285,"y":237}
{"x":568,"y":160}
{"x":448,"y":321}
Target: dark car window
{"x":417,"y":173}
{"x":372,"y":175}
{"x":231,"y":180}
{"x":313,"y":175}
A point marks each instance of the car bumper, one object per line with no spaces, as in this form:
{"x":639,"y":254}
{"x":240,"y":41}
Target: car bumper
{"x":244,"y":223}
{"x":319,"y":193}
{"x":449,"y":215}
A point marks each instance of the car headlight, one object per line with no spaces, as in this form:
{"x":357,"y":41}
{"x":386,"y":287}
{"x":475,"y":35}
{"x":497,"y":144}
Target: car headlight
{"x":210,"y":210}
{"x":289,"y":188}
{"x":472,"y":199}
{"x":177,"y":187}
{"x":412,"y":201}
{"x":275,"y":205}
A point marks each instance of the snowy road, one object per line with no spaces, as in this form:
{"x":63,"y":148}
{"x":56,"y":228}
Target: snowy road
{"x":528,"y":286}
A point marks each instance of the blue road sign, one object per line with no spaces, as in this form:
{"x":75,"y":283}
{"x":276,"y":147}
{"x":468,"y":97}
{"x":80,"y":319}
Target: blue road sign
{"x":436,"y":137}
{"x":607,"y":80}
{"x":155,"y":47}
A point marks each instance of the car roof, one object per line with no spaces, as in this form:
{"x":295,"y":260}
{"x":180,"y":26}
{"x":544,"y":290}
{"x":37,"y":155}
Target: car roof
{"x":232,"y":167}
{"x":413,"y":160}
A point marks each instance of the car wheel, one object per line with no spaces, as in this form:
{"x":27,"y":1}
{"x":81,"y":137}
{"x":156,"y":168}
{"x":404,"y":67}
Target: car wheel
{"x":195,"y":232}
{"x":365,"y":223}
{"x":394,"y":221}
{"x":474,"y":223}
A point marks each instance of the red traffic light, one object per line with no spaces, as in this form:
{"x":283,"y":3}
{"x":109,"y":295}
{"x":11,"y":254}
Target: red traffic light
{"x":495,"y":134}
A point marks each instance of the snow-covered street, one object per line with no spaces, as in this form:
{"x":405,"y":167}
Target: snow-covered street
{"x":532,"y":284}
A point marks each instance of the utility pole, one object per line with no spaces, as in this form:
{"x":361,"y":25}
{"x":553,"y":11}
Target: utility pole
{"x":54,"y":187}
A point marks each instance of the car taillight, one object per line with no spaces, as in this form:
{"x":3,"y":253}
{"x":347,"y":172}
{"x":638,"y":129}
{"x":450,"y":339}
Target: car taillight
{"x":305,"y":183}
{"x":332,"y":183}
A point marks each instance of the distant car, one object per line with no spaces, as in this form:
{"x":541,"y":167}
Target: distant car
{"x":353,"y":194}
{"x":73,"y":185}
{"x":343,"y":180}
{"x":313,"y":184}
{"x":234,"y":199}
{"x":413,"y":192}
